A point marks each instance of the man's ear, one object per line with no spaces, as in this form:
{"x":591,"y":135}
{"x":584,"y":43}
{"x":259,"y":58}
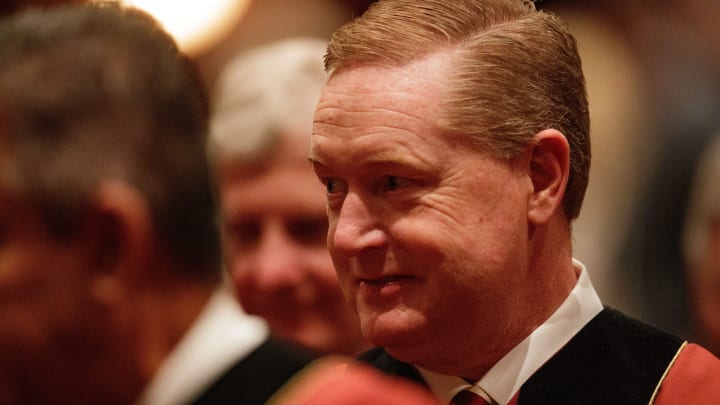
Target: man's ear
{"x":549,"y":171}
{"x":120,"y":225}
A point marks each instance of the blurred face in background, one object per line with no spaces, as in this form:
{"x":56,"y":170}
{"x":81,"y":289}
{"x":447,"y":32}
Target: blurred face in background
{"x":274,"y":236}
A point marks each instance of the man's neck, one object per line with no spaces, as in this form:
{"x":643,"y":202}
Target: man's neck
{"x":168,"y":315}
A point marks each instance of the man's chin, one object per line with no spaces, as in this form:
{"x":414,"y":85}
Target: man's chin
{"x":397,"y":328}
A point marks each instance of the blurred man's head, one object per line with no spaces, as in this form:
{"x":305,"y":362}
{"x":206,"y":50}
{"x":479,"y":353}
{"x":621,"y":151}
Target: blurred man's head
{"x":104,"y":201}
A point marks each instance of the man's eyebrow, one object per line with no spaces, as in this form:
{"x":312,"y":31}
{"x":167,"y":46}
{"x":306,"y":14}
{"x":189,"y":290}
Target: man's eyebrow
{"x":388,"y":160}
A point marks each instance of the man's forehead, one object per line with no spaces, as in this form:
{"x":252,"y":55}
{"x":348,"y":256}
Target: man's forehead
{"x":433,"y":66}
{"x":377,"y":97}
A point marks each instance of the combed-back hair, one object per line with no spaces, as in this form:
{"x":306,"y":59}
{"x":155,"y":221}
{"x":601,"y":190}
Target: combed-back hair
{"x":516,"y":71}
{"x":99,"y":92}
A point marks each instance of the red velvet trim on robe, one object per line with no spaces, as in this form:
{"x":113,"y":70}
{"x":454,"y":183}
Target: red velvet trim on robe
{"x":694,"y":378}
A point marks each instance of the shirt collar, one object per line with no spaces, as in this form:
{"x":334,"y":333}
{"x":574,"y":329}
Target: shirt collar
{"x":506,"y":377}
{"x":222,"y":334}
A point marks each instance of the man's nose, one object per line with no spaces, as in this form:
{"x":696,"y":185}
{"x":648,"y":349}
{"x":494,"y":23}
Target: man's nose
{"x":355,"y":228}
{"x":279,"y":258}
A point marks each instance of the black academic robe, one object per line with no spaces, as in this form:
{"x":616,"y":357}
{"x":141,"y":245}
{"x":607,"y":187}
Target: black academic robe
{"x":256,"y":377}
{"x":612,"y":360}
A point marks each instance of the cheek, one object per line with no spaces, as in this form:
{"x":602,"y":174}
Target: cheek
{"x":338,"y":264}
{"x":42,"y":306}
{"x":436,"y":238}
{"x":321,"y":265}
{"x":341,"y":275}
{"x":480,"y":247}
{"x":327,"y":280}
{"x":25,"y":299}
{"x":242,"y":278}
{"x":332,"y":226}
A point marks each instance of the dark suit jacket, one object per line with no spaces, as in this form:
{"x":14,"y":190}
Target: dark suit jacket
{"x":612,"y":360}
{"x":257,"y":376}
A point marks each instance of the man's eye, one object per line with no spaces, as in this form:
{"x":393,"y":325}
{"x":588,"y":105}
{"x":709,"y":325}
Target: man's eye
{"x":393,"y":183}
{"x":244,"y":233}
{"x":308,"y":231}
{"x":334,"y":186}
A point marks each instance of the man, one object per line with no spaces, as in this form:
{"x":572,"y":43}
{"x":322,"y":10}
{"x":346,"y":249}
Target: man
{"x":109,"y":253}
{"x":274,"y":226}
{"x":701,"y":248}
{"x":452,"y":138}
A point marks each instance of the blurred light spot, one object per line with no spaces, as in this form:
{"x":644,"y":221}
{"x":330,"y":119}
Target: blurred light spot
{"x":196,"y":25}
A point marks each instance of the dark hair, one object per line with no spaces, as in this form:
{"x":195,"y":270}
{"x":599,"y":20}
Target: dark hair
{"x":516,"y":71}
{"x":96,"y":92}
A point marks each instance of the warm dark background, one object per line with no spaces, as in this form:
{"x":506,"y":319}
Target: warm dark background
{"x":653,"y":75}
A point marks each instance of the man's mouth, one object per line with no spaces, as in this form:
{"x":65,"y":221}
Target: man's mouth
{"x":384,"y":280}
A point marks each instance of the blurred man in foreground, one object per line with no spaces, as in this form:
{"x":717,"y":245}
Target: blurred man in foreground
{"x":109,"y":255}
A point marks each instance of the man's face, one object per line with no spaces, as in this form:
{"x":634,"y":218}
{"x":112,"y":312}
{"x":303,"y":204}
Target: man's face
{"x":429,"y":238}
{"x":275,"y":230}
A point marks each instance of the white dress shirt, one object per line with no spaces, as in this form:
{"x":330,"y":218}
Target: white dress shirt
{"x":222,"y":335}
{"x":506,"y":377}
